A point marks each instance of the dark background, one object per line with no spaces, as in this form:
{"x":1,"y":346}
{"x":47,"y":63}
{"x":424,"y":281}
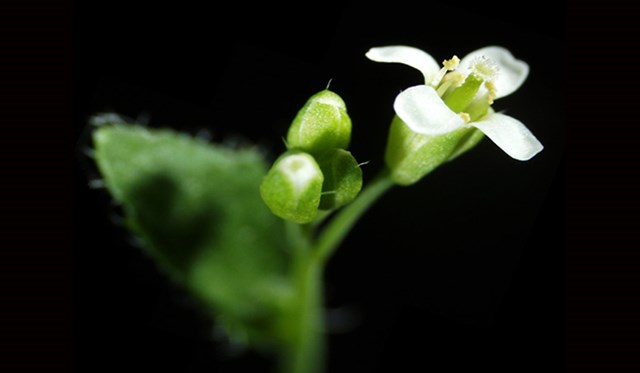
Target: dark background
{"x":461,"y":271}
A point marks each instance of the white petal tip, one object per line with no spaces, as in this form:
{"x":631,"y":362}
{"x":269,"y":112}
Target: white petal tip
{"x":406,"y":55}
{"x":531,"y":152}
{"x":510,"y":135}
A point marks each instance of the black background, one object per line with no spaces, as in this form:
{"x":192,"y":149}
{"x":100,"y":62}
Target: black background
{"x":461,"y":271}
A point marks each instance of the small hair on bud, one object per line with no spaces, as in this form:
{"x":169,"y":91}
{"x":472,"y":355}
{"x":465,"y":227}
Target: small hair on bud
{"x":328,"y":192}
{"x":329,"y":83}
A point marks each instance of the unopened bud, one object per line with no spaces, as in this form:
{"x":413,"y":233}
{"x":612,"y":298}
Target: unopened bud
{"x":342,"y":178}
{"x":292,"y":187}
{"x":322,"y":124}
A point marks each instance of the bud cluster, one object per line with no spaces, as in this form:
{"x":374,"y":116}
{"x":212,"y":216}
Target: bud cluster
{"x":317,"y":172}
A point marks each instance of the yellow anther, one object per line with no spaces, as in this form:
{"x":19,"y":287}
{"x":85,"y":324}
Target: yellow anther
{"x":465,"y":116}
{"x":451,"y":64}
{"x":492,"y":91}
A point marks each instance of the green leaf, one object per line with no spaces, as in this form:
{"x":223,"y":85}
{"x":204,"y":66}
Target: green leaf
{"x":198,"y":211}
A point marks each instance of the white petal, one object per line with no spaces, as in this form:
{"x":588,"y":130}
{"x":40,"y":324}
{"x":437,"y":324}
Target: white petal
{"x":416,"y":58}
{"x":510,"y":135}
{"x":511,"y":72}
{"x":424,"y":112}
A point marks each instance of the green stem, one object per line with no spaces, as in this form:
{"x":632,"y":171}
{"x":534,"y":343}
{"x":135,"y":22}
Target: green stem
{"x":304,"y":352}
{"x":342,"y":223}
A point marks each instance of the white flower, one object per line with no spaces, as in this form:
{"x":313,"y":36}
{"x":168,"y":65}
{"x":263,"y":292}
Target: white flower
{"x":459,"y":95}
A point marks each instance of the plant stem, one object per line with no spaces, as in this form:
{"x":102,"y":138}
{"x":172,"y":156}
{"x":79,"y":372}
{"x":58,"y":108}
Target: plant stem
{"x":304,"y":351}
{"x":304,"y":348}
{"x":342,"y":223}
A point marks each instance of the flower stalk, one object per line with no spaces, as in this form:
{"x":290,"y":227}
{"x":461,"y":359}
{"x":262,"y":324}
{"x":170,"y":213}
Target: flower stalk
{"x":305,"y":349}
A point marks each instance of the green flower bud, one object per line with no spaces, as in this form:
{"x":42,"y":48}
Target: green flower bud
{"x":410,"y":155}
{"x":321,"y":124}
{"x":292,"y":187}
{"x":342,"y":178}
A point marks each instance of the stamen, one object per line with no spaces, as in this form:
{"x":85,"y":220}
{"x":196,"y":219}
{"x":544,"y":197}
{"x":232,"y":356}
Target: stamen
{"x":455,"y":78}
{"x":492,"y":92}
{"x":465,"y":116}
{"x":452,"y":79}
{"x":449,"y":65}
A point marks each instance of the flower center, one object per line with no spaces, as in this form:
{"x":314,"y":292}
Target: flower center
{"x":461,"y":93}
